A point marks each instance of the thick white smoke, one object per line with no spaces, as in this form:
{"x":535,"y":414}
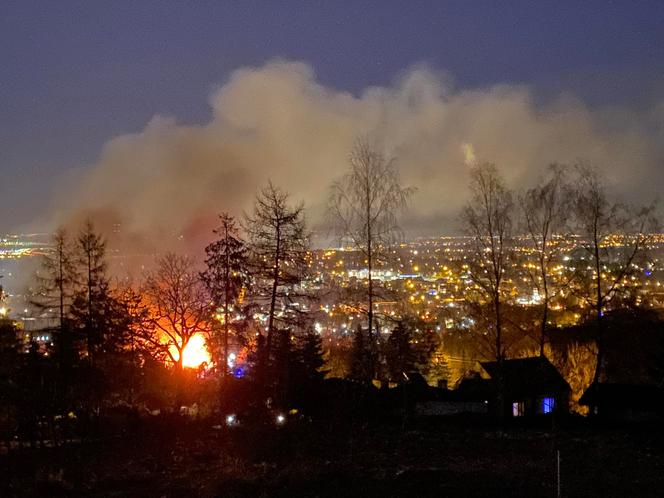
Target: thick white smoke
{"x":168,"y":182}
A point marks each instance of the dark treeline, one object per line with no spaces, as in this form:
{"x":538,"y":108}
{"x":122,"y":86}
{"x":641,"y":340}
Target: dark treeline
{"x":118,"y":352}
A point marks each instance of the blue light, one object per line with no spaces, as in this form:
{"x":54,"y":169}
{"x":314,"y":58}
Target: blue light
{"x":548,"y":404}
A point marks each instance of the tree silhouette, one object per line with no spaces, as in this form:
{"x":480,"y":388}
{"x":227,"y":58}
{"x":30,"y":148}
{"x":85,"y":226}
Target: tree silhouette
{"x":364,"y":206}
{"x":487,"y":219}
{"x":278,"y":244}
{"x":400,"y":354}
{"x":56,"y":285}
{"x":545,"y":211}
{"x":361,"y":358}
{"x":225,"y":276}
{"x":178,"y":308}
{"x":92,"y":304}
{"x":599,"y":222}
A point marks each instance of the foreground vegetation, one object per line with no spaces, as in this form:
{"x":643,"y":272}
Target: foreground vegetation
{"x":170,"y":457}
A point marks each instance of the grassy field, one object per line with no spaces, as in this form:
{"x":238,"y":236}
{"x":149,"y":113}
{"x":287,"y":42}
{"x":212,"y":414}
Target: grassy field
{"x":444,"y":458}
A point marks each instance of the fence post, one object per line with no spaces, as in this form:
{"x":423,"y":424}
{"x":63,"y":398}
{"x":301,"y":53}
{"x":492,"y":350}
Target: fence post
{"x":559,"y":495}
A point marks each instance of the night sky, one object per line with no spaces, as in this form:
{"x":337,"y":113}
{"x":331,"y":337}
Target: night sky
{"x":75,"y":74}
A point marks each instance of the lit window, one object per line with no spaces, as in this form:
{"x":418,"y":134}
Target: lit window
{"x":548,"y":405}
{"x":517,"y":409}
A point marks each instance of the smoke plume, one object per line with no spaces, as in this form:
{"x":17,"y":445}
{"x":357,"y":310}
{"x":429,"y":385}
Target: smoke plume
{"x":163,"y":187}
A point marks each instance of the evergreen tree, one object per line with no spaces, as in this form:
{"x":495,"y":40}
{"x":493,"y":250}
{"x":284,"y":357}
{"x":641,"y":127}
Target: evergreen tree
{"x":225,"y":276}
{"x":438,"y":370}
{"x":306,"y":374}
{"x":10,"y":362}
{"x":255,"y":357}
{"x":56,"y":285}
{"x":311,"y":357}
{"x":118,"y":356}
{"x":43,"y":392}
{"x":48,"y":384}
{"x":93,"y":306}
{"x":284,"y":367}
{"x":400,"y":355}
{"x":361,"y":360}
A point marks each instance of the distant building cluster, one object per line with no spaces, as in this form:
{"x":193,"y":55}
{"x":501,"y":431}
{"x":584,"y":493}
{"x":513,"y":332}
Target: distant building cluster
{"x":432,"y":276}
{"x":429,"y":279}
{"x":23,"y":246}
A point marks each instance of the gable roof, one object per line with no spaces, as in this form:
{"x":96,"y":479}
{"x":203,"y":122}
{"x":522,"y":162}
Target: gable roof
{"x":474,"y":389}
{"x":528,"y":376}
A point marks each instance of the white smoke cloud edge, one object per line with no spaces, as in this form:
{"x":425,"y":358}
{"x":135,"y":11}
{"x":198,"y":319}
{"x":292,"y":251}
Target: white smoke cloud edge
{"x":165,"y":185}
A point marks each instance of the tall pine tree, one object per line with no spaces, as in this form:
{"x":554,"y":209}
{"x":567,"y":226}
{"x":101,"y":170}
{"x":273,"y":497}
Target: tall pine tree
{"x":400,"y":356}
{"x":361,"y":357}
{"x":92,"y":307}
{"x":225,"y":276}
{"x":56,"y":282}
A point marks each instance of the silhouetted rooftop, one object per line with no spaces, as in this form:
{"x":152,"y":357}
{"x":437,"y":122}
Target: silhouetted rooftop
{"x":528,"y":376}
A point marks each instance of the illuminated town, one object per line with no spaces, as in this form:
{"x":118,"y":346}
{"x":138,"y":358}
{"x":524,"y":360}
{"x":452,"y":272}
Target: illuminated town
{"x":332,"y":249}
{"x":431,"y":276}
{"x":427,"y":279}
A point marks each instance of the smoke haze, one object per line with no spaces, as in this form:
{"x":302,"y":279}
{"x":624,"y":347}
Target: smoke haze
{"x":163,"y":187}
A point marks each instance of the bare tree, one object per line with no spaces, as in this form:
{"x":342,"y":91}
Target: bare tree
{"x":545,"y":212}
{"x":178,"y":308}
{"x":364,"y":206}
{"x":614,"y":237}
{"x":487,"y":219}
{"x":226,"y":274}
{"x":278,"y":243}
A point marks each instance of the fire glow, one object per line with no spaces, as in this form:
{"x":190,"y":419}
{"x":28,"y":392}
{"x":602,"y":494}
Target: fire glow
{"x":195,"y":353}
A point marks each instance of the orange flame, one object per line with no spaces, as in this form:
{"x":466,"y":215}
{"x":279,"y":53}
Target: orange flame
{"x":195,"y":354}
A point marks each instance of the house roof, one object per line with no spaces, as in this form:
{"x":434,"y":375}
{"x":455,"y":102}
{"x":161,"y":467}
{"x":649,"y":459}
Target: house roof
{"x":643,"y":396}
{"x":528,"y":376}
{"x":474,"y":389}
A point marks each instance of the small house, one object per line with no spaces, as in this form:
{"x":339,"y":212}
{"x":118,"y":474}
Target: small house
{"x":430,"y":401}
{"x":530,"y":387}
